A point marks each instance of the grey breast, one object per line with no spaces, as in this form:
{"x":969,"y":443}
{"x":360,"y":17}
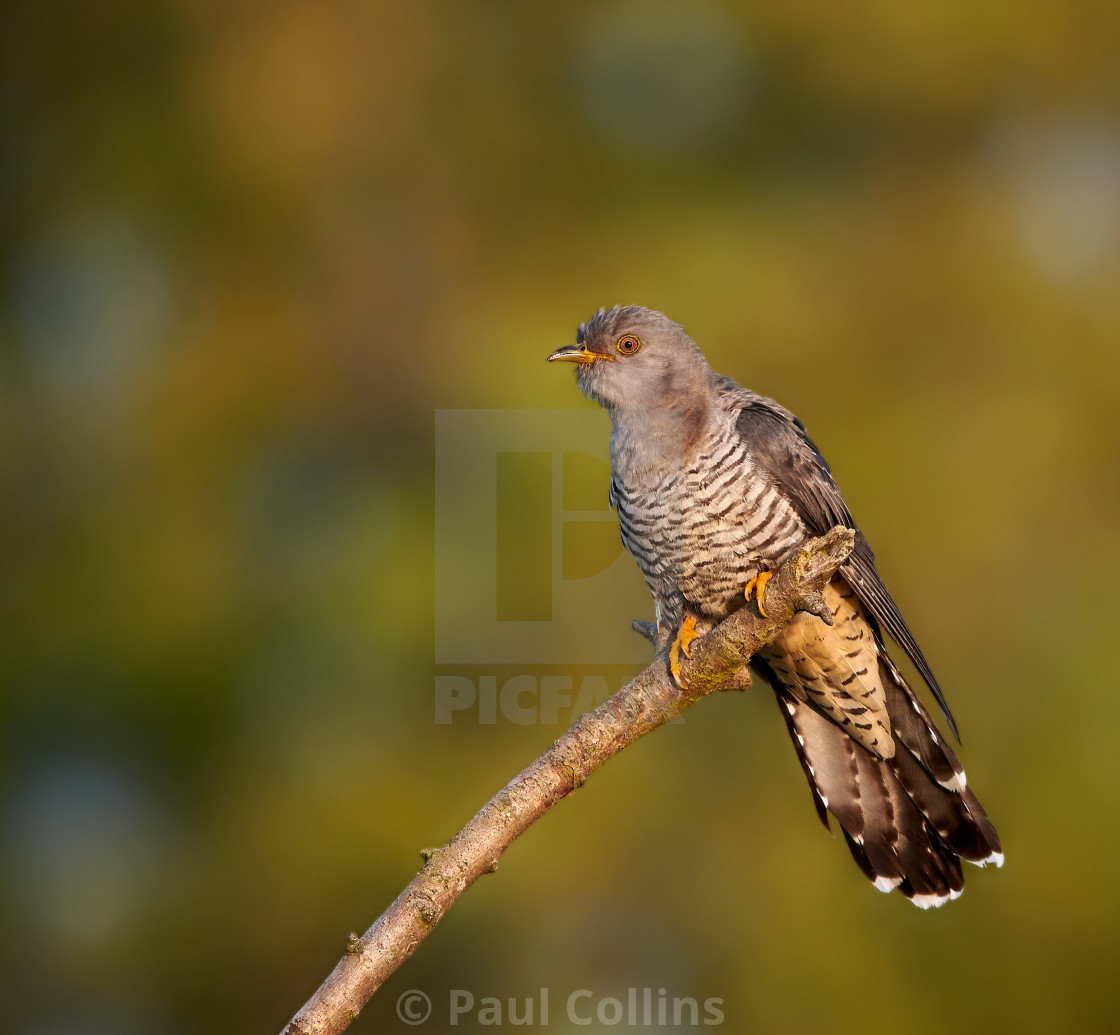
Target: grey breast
{"x":701,"y":529}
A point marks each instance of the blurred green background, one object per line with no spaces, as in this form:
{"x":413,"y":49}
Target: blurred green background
{"x":248,"y":250}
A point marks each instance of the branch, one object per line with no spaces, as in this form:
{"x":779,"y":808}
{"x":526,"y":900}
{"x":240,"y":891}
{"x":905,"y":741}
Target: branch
{"x":719,"y":661}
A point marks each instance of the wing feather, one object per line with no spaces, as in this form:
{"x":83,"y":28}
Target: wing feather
{"x":781,"y":446}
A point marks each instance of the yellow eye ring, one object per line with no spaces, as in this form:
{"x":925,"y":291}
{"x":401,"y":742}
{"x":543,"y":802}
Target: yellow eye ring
{"x":628,"y":344}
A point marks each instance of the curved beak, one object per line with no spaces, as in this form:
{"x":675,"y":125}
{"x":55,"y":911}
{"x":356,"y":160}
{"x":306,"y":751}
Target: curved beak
{"x":577,"y":354}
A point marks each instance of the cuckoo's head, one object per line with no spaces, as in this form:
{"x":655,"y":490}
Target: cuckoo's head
{"x":630,"y":357}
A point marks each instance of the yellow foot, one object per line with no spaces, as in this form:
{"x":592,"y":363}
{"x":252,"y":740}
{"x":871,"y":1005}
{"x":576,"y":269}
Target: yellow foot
{"x":685,"y":635}
{"x":757,"y":586}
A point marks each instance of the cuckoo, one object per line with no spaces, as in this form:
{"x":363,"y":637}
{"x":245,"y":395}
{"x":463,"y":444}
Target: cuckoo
{"x":715,"y":486}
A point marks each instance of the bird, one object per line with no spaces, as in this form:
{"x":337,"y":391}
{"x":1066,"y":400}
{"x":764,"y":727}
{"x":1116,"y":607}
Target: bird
{"x":715,"y":486}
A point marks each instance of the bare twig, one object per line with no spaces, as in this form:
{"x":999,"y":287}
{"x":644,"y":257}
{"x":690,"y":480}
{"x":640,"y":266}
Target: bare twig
{"x":719,"y":662}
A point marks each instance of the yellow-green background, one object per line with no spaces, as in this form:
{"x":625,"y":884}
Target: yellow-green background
{"x":247,"y":250}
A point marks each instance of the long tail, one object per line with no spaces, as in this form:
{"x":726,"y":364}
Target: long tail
{"x":908,"y":820}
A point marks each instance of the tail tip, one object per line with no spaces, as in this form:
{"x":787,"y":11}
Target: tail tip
{"x":995,"y":859}
{"x":934,"y":900}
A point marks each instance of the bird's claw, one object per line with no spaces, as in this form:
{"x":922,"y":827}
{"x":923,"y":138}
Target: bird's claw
{"x":681,"y":645}
{"x":757,"y":586}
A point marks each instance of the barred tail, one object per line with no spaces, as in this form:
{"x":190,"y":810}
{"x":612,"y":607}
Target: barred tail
{"x":908,"y":820}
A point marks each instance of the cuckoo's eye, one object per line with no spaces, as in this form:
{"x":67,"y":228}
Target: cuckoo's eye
{"x":628,"y":344}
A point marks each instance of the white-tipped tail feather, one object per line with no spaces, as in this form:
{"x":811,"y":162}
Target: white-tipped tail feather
{"x":995,"y":859}
{"x":935,"y":901}
{"x":910,"y":818}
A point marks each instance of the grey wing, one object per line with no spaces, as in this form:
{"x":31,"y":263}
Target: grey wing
{"x":780,"y":445}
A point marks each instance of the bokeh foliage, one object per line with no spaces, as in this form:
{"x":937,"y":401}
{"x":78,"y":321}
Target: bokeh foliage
{"x":247,"y":249}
